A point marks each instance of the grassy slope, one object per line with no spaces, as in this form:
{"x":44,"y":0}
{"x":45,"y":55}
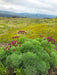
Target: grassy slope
{"x":34,"y":27}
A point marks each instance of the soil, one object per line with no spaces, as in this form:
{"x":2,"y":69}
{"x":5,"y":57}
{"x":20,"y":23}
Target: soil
{"x":3,"y":44}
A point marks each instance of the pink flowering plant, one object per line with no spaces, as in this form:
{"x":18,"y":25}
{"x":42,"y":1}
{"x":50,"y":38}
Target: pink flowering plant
{"x":22,"y":32}
{"x":50,"y":39}
{"x":29,"y":56}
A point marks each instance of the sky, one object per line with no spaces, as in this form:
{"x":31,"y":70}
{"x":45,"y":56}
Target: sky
{"x":30,"y":6}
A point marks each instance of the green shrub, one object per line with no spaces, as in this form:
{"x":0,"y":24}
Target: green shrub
{"x":14,"y":60}
{"x":29,"y":57}
{"x":32,"y":60}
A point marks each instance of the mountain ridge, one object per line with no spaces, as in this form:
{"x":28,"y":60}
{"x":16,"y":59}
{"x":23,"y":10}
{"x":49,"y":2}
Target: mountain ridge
{"x":28,"y":15}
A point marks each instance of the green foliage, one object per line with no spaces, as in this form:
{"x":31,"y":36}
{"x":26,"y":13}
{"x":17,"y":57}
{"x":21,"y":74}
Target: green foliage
{"x":32,"y":60}
{"x":20,"y":71}
{"x":29,"y":57}
{"x":2,"y":55}
{"x":3,"y":70}
{"x":27,"y":46}
{"x":30,"y":70}
{"x":23,"y":39}
{"x":13,"y":60}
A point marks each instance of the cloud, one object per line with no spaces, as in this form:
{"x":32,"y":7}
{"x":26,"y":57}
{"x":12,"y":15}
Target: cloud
{"x":30,"y":6}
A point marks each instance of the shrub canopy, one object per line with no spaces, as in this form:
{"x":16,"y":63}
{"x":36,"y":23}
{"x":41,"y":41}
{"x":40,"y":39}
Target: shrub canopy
{"x":34,"y":56}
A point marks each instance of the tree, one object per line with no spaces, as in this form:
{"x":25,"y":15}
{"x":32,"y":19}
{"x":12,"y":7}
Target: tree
{"x":15,"y":16}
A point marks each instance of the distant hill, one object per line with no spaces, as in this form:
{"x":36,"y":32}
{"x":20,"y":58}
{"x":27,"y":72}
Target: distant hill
{"x":28,"y":15}
{"x":6,"y":14}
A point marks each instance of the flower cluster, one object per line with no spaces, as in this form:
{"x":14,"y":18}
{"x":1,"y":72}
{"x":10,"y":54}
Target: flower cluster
{"x":23,"y":32}
{"x":13,"y":43}
{"x":13,"y":49}
{"x":15,"y":37}
{"x":41,"y":36}
{"x":48,"y":38}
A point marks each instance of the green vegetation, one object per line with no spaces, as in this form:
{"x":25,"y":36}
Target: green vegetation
{"x":30,"y":49}
{"x":28,"y":57}
{"x":9,"y":28}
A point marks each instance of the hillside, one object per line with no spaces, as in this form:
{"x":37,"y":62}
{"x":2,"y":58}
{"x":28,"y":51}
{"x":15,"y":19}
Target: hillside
{"x":9,"y":28}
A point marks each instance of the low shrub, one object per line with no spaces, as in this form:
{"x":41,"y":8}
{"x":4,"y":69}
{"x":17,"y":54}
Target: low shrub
{"x":29,"y":56}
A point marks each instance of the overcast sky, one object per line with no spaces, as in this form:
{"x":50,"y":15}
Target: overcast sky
{"x":30,"y":6}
